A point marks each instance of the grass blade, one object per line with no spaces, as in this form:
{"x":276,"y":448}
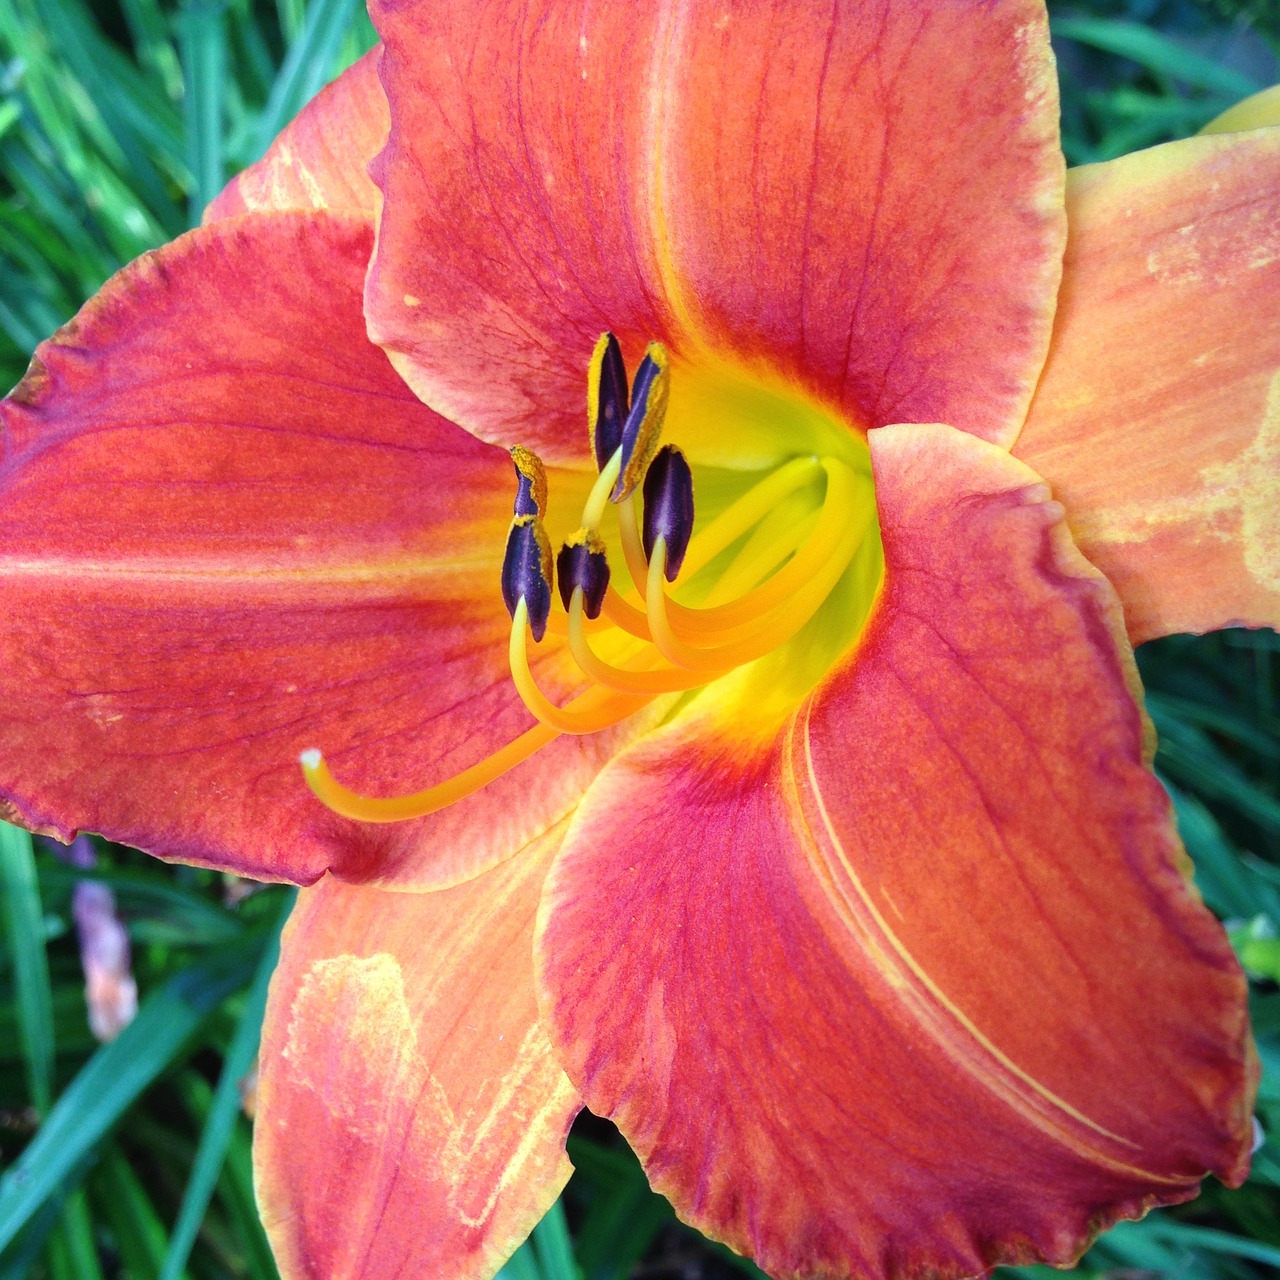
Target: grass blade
{"x":522,"y":1265}
{"x":309,"y":65}
{"x":24,"y":919}
{"x":74,"y":1239}
{"x":555,"y":1249}
{"x":1158,"y":53}
{"x":124,"y":1203}
{"x":112,"y":1080}
{"x":204,"y":63}
{"x":221,"y":1121}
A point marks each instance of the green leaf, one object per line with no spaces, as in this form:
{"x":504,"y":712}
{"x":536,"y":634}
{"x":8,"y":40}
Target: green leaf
{"x":123,"y":1201}
{"x":235,"y":1194}
{"x":112,"y":1079}
{"x":24,"y":919}
{"x":522,"y":1265}
{"x":73,"y":1241}
{"x":554,"y":1248}
{"x":158,"y":908}
{"x":1258,"y":947}
{"x":311,"y":63}
{"x":1220,"y":1242}
{"x":221,"y":1120}
{"x":203,"y":27}
{"x":1158,"y":53}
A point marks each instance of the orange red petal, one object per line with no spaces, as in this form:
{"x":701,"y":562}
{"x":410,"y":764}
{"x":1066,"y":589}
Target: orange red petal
{"x":920,"y":986}
{"x":411,"y":1116}
{"x":321,"y":159}
{"x":863,"y":204}
{"x":228,"y":532}
{"x":1157,"y":420}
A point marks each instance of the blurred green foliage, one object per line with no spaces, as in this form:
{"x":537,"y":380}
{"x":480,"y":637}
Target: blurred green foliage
{"x":119,"y":119}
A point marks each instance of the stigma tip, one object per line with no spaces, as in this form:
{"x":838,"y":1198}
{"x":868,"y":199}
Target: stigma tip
{"x":311,"y":759}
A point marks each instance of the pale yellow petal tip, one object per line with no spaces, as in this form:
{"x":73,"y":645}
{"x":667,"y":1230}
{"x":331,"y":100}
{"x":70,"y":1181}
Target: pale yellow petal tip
{"x":311,"y":759}
{"x":1260,"y":111}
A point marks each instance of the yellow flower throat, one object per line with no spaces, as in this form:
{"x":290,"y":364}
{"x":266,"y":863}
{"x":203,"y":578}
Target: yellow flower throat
{"x":775,"y":558}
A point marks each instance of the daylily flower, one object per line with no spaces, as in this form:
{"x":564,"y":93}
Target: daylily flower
{"x":872,"y":933}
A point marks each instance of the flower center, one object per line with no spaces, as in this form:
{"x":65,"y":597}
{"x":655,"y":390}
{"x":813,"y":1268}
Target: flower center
{"x":783,"y":575}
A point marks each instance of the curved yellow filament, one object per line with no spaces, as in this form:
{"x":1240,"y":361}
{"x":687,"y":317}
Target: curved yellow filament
{"x":746,"y":512}
{"x":624,"y":615}
{"x":632,"y":545}
{"x":558,"y":624}
{"x":627,"y":680}
{"x":773,"y":628}
{"x":573,"y":718}
{"x":598,"y":498}
{"x":351,"y":804}
{"x":813,"y":553}
{"x":771,"y":542}
{"x":840,"y":515}
{"x":735,"y":520}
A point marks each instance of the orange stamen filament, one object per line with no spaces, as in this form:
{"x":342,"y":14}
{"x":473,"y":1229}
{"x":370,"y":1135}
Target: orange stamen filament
{"x":572,"y":718}
{"x":627,"y":679}
{"x":598,"y":498}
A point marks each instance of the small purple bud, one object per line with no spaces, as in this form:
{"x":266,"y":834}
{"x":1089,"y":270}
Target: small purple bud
{"x":526,"y":572}
{"x":668,"y":507}
{"x":582,"y":563}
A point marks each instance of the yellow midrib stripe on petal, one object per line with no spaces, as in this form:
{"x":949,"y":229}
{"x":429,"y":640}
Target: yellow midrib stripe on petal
{"x":903,"y":972}
{"x":661,"y":80}
{"x":236,"y":573}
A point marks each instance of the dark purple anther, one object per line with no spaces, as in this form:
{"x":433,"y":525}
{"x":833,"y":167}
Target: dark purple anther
{"x":526,"y":572}
{"x":668,"y":507}
{"x":607,"y":393}
{"x":582,"y":563}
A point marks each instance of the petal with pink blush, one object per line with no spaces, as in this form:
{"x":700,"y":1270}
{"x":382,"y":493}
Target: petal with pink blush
{"x":228,"y":532}
{"x":1157,"y":421}
{"x":321,"y":158}
{"x":919,"y":986}
{"x":861,"y":205}
{"x":411,"y":1116}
